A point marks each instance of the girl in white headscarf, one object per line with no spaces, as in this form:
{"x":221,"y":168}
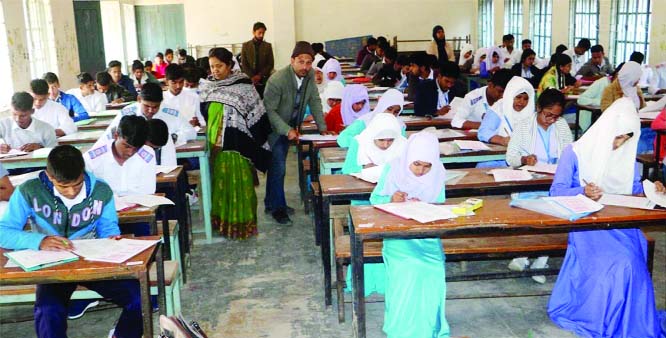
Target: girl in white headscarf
{"x":332,"y":71}
{"x":605,"y":268}
{"x":391,"y":102}
{"x":332,"y":95}
{"x":625,"y":85}
{"x":515,"y":107}
{"x":319,"y":73}
{"x":466,"y":58}
{"x":415,"y":285}
{"x":479,"y":58}
{"x":492,"y":63}
{"x":376,"y":145}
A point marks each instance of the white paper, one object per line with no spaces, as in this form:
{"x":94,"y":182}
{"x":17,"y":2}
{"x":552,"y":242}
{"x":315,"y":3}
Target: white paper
{"x":110,"y":250}
{"x":104,"y":113}
{"x":33,"y":258}
{"x":410,"y":118}
{"x":93,"y":134}
{"x":122,"y":205}
{"x":41,"y":153}
{"x":146,"y":200}
{"x":20,"y":179}
{"x":541,"y":167}
{"x":371,"y":174}
{"x":378,"y":89}
{"x":471,"y":145}
{"x":418,"y":211}
{"x":510,"y":175}
{"x":13,"y":153}
{"x":627,"y":201}
{"x":456,"y":104}
{"x":317,"y":137}
{"x":452,"y":175}
{"x":578,"y":204}
{"x":448,"y":133}
{"x":651,"y":193}
{"x":653,"y":106}
{"x":649,"y":115}
{"x":165,"y":169}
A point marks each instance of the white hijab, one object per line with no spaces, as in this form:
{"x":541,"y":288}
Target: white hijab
{"x":332,"y":65}
{"x":422,"y":146}
{"x":510,"y":119}
{"x":382,"y":126}
{"x":333,"y":90}
{"x":391,"y":97}
{"x":477,"y":57}
{"x":628,"y":77}
{"x":465,"y":48}
{"x":489,"y":58}
{"x":612,"y":170}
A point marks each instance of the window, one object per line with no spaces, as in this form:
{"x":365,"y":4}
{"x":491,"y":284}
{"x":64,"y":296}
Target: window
{"x":40,"y":39}
{"x":585,"y":21}
{"x":6,"y":88}
{"x":513,"y":19}
{"x":630,"y":30}
{"x":541,"y":14}
{"x":486,"y":23}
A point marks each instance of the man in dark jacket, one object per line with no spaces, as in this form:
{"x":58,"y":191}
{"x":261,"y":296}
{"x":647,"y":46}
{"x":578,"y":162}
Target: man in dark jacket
{"x":257,"y":58}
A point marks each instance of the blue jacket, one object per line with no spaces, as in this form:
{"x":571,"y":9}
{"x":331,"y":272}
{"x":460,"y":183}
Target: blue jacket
{"x":75,"y":108}
{"x":95,"y":217}
{"x":128,"y":84}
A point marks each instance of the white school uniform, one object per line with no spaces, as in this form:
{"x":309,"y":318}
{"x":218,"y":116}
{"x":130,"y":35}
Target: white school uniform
{"x":514,"y":56}
{"x":37,"y":132}
{"x":95,"y":102}
{"x":473,"y":108}
{"x":137,"y":176}
{"x":577,"y":61}
{"x":178,"y":126}
{"x":57,"y":116}
{"x":187,"y":103}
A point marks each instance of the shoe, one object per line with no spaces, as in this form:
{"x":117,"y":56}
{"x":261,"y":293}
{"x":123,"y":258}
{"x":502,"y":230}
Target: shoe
{"x":281,"y":217}
{"x":290,"y":211}
{"x":78,"y":308}
{"x":539,"y":279}
{"x":540,"y":263}
{"x":519,"y":264}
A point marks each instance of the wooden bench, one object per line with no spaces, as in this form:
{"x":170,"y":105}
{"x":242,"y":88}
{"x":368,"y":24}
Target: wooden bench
{"x":649,"y":162}
{"x":26,"y":293}
{"x":464,"y":249}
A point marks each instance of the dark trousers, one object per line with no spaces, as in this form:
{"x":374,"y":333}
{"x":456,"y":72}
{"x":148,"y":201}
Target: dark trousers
{"x":52,"y":300}
{"x":275,"y":199}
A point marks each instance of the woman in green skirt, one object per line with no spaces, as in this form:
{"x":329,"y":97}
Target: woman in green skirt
{"x":237,"y":128}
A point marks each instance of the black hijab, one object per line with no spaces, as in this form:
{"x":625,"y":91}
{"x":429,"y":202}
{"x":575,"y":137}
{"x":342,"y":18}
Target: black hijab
{"x":441,"y":44}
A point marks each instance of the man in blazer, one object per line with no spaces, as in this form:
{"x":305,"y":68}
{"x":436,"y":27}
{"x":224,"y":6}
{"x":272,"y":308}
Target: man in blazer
{"x":257,"y":58}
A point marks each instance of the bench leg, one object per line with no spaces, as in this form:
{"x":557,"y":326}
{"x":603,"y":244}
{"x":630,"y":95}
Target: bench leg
{"x":650,"y":256}
{"x":339,"y":283}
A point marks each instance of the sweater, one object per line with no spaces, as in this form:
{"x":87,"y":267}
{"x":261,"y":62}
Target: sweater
{"x":522,"y":139}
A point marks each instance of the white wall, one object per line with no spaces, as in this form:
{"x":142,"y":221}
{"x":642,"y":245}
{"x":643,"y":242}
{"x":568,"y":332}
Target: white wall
{"x":67,"y":49}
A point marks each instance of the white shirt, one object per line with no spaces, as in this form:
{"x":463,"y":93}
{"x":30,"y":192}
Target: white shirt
{"x":187,"y":103}
{"x":95,"y":102}
{"x":514,"y":56}
{"x":37,"y":132}
{"x":137,"y":176}
{"x":70,"y":202}
{"x":299,"y":81}
{"x":57,"y":116}
{"x":658,"y":79}
{"x":170,"y":115}
{"x":577,"y":61}
{"x":442,"y":97}
{"x":473,"y":108}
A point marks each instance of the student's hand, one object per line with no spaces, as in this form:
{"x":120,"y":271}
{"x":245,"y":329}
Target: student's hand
{"x":661,"y":91}
{"x":414,"y":199}
{"x":117,"y":101}
{"x":578,"y":83}
{"x":328,"y":132}
{"x":444,"y":110}
{"x":399,"y":196}
{"x":194,"y":122}
{"x":5,"y":148}
{"x":293,"y":135}
{"x":30,"y":147}
{"x":529,"y":160}
{"x":494,"y":69}
{"x":59,"y":132}
{"x":659,"y":187}
{"x":55,"y":243}
{"x":501,"y":140}
{"x":116,"y":237}
{"x":593,"y":191}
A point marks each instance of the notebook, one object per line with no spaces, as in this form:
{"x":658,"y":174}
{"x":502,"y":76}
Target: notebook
{"x":31,"y":260}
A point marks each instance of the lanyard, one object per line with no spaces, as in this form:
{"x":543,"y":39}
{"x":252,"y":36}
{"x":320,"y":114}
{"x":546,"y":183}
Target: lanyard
{"x":446,"y":98}
{"x":546,"y":144}
{"x":508,"y":124}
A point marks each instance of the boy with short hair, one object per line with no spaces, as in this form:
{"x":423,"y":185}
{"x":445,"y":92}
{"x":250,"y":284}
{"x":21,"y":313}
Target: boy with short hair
{"x":168,"y":56}
{"x":49,"y":111}
{"x":420,"y":70}
{"x":23,"y":132}
{"x":75,"y":109}
{"x":64,"y":203}
{"x":114,"y":93}
{"x":578,"y":55}
{"x":386,"y":73}
{"x":158,"y":138}
{"x":91,"y":99}
{"x":368,"y":49}
{"x":478,"y":101}
{"x":448,"y":86}
{"x":510,"y":54}
{"x":186,"y":102}
{"x":124,"y":161}
{"x":184,"y":59}
{"x":598,"y":65}
{"x":115,"y":70}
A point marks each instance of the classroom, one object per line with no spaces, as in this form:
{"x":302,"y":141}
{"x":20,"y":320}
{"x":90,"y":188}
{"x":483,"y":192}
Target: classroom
{"x":306,"y":168}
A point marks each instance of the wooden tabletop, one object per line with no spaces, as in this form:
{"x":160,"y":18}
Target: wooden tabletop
{"x":495,"y":213}
{"x":81,"y":137}
{"x":333,"y":155}
{"x":475,"y":178}
{"x":171,"y":177}
{"x":97,"y":125}
{"x":191,"y":146}
{"x":138,"y":214}
{"x":80,"y":270}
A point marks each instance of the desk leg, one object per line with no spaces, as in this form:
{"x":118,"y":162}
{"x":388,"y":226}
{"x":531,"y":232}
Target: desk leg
{"x":358,"y":315}
{"x":146,"y":309}
{"x":317,"y":202}
{"x":204,"y":168}
{"x":301,"y":170}
{"x":324,"y":237}
{"x":166,"y":234}
{"x":161,"y":289}
{"x":577,"y":123}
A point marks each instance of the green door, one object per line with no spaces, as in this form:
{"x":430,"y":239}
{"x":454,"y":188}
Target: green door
{"x":89,"y":36}
{"x":158,"y":28}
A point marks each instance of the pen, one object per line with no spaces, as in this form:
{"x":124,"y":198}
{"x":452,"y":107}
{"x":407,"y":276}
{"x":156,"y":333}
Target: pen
{"x":64,"y":242}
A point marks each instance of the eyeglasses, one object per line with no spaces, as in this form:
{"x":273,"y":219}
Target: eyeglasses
{"x":551,"y":116}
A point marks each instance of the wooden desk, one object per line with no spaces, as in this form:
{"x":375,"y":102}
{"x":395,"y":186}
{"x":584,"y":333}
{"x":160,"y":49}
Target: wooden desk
{"x":198,"y":149}
{"x":495,"y":218}
{"x":333,"y":158}
{"x":596,"y":113}
{"x":99,"y":124}
{"x":87,"y":271}
{"x":82,"y":137}
{"x":335,"y":188}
